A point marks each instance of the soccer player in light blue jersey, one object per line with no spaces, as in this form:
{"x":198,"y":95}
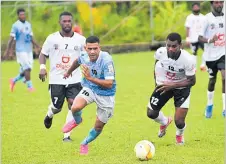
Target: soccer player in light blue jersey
{"x":99,"y":86}
{"x":21,"y":33}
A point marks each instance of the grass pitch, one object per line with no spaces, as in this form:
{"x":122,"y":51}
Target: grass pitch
{"x":26,"y":141}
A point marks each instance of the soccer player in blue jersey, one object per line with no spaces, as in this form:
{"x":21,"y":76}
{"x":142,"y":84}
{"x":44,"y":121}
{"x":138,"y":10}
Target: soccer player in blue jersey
{"x":99,"y":86}
{"x":21,"y":33}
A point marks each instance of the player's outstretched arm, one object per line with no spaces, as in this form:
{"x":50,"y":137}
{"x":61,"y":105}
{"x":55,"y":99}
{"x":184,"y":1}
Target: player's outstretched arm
{"x":10,"y":46}
{"x":206,"y":40}
{"x":42,"y":61}
{"x":103,"y":83}
{"x":74,"y":65}
{"x":35,"y":43}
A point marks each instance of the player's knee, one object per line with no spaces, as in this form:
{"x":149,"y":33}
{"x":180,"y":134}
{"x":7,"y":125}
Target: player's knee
{"x":180,"y":123}
{"x":54,"y":109}
{"x":70,"y":102}
{"x":152,"y":114}
{"x":75,"y":108}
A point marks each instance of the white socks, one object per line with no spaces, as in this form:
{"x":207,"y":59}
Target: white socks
{"x":210,"y":96}
{"x":68,"y":118}
{"x":50,"y":112}
{"x":223,"y":100}
{"x":161,"y":119}
{"x":180,"y":132}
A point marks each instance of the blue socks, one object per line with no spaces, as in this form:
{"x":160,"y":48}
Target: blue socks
{"x":17,"y":78}
{"x":77,"y":117}
{"x":29,"y":84}
{"x":92,"y":136}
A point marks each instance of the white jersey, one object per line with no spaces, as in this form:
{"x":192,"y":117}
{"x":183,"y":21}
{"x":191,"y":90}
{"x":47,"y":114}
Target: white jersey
{"x":62,"y":51}
{"x":169,"y":70}
{"x":195,"y":25}
{"x":214,"y":26}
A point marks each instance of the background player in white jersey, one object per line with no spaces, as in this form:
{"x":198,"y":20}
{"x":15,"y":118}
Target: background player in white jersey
{"x":174,"y":76}
{"x":99,"y":86}
{"x":22,"y":34}
{"x":193,"y":24}
{"x":213,"y":35}
{"x":62,"y":47}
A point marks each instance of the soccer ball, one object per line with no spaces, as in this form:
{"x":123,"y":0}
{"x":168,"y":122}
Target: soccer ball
{"x":144,"y":150}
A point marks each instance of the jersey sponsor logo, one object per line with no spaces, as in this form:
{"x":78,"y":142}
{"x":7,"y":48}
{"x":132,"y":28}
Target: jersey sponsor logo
{"x":64,"y":65}
{"x":220,"y":41}
{"x":65,"y":59}
{"x":170,"y":75}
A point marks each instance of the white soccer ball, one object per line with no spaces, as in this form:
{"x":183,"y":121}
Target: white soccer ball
{"x":144,"y":150}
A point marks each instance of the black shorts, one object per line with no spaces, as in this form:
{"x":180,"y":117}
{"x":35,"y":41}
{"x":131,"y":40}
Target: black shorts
{"x":59,"y":92}
{"x":181,"y":98}
{"x":214,"y":66}
{"x":195,"y":47}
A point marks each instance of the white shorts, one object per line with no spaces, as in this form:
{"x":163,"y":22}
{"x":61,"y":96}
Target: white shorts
{"x":105,"y":104}
{"x":25,"y":60}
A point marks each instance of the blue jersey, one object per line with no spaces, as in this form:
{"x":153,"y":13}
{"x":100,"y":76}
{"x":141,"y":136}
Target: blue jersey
{"x":102,"y":68}
{"x":22,"y":33}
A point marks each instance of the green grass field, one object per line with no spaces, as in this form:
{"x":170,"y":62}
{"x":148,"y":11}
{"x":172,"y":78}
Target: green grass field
{"x":26,"y":141}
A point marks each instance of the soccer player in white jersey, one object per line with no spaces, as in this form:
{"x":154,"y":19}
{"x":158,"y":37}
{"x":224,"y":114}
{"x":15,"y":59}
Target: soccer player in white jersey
{"x":213,"y":35}
{"x":22,"y":34}
{"x":99,"y":86}
{"x":62,"y":48}
{"x":174,"y":76}
{"x":193,"y":24}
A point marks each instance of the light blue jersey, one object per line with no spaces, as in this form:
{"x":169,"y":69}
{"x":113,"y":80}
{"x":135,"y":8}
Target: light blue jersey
{"x":22,"y":33}
{"x":103,"y":68}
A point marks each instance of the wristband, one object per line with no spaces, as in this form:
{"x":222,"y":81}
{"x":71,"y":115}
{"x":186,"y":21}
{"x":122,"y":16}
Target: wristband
{"x":187,"y":39}
{"x":208,"y":41}
{"x":42,"y":66}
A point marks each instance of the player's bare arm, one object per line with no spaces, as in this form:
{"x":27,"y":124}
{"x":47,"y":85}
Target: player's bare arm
{"x":103,"y":83}
{"x":35,"y":43}
{"x":43,"y":72}
{"x":9,"y":49}
{"x":187,"y":35}
{"x":190,"y":81}
{"x":206,"y":40}
{"x":74,"y":65}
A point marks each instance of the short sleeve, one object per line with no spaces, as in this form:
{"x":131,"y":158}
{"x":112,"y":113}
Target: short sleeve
{"x":190,"y":67}
{"x":159,"y":53}
{"x":46,"y":46}
{"x":187,"y":22}
{"x":204,"y":27}
{"x":13,"y":31}
{"x":109,"y":71}
{"x":31,"y":32}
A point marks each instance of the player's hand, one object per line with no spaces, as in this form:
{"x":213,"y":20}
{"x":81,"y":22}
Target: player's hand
{"x":42,"y":74}
{"x":9,"y":53}
{"x":164,"y":87}
{"x":86,"y":71}
{"x":66,"y":75}
{"x":215,"y":38}
{"x":187,"y":44}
